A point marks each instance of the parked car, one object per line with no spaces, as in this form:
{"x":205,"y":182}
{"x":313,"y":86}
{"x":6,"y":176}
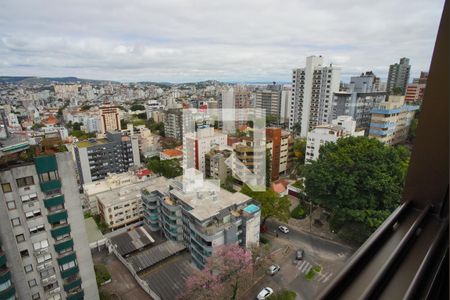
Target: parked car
{"x":265,"y":293}
{"x":283,"y":229}
{"x":273,"y":269}
{"x":299,"y":254}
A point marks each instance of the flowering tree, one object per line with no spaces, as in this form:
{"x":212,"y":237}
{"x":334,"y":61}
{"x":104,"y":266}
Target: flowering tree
{"x":229,"y":268}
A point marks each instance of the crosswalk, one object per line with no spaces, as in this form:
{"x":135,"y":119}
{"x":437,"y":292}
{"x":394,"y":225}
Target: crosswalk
{"x":304,"y":267}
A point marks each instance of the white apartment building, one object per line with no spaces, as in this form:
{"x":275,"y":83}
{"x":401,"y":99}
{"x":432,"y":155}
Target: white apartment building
{"x":312,"y":94}
{"x":123,"y":206}
{"x":112,"y":182}
{"x":199,"y":143}
{"x":329,"y":133}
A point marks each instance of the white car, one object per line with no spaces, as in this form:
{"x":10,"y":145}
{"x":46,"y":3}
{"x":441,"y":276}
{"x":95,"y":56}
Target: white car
{"x":265,"y":293}
{"x":273,"y":269}
{"x":283,"y":229}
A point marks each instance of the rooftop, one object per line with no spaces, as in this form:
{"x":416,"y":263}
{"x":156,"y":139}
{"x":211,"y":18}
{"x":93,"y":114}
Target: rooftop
{"x":90,"y":143}
{"x":131,"y":191}
{"x":131,"y":241}
{"x":207,"y":203}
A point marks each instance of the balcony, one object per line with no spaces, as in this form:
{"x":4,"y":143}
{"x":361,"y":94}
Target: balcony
{"x":60,"y":230}
{"x":57,"y":217}
{"x":45,"y":164}
{"x":2,"y":258}
{"x":5,"y":275}
{"x":54,"y":201}
{"x":69,"y":272}
{"x":51,"y":185}
{"x":8,"y":293}
{"x":79,"y":295}
{"x":65,"y":244}
{"x":67,"y":258}
{"x":72,"y":284}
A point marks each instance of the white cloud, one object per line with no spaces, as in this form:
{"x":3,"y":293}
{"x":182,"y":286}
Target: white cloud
{"x":176,"y":40}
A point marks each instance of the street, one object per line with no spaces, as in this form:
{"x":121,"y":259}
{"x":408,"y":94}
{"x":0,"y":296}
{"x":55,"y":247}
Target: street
{"x":330,"y":256}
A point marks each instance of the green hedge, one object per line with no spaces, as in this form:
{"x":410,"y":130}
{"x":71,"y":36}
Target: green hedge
{"x":300,"y":211}
{"x":101,"y":274}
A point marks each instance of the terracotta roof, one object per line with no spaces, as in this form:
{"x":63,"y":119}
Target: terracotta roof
{"x":278,"y":187}
{"x":172,"y":152}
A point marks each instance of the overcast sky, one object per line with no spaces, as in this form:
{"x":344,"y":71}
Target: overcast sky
{"x":178,"y":41}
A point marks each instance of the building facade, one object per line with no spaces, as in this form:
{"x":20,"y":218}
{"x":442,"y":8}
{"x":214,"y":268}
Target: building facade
{"x":110,"y":118}
{"x":269,"y":99}
{"x":96,"y":158}
{"x":173,"y":124}
{"x":398,"y":76}
{"x":357,"y":105}
{"x":202,"y":217}
{"x":391,"y":120}
{"x":280,"y":143}
{"x":312,"y":94}
{"x":40,"y":233}
{"x":416,"y":90}
{"x":365,"y":83}
{"x":329,"y":133}
{"x":215,"y":166}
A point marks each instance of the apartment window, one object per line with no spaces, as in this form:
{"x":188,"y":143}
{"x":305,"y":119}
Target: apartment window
{"x":15,"y":222}
{"x":28,"y":268}
{"x":32,"y":283}
{"x":6,"y":187}
{"x":11,"y":205}
{"x":29,"y":197}
{"x":5,"y":285}
{"x":20,"y":238}
{"x":61,"y":237}
{"x":47,"y":273}
{"x":43,"y":258}
{"x":40,"y":245}
{"x":24,"y":253}
{"x":36,"y":229}
{"x":25,"y":181}
{"x":49,"y":176}
{"x":36,"y":296}
{"x":33,"y":213}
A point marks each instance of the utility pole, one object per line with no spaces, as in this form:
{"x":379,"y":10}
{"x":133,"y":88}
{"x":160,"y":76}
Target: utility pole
{"x":310,"y":216}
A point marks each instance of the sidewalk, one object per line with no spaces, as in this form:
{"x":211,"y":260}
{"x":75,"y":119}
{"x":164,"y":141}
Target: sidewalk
{"x":307,"y":225}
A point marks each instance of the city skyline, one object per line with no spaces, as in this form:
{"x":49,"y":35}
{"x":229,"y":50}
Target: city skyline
{"x":184,"y":41}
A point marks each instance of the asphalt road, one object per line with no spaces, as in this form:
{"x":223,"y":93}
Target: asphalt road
{"x":329,"y":255}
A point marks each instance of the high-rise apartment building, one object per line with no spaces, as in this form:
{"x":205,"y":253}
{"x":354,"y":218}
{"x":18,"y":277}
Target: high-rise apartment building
{"x":215,"y":166}
{"x":358,"y":105}
{"x":365,"y":83}
{"x":280,"y":143}
{"x":197,"y":144}
{"x":391,"y":120}
{"x":97,"y":157}
{"x":312,"y":94}
{"x":236,"y":97}
{"x":40,"y":216}
{"x":398,"y":76}
{"x":285,"y":106}
{"x":173,"y":124}
{"x":269,"y":99}
{"x":416,"y":90}
{"x":110,"y":118}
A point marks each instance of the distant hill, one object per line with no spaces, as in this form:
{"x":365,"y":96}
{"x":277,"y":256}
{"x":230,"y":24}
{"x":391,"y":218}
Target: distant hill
{"x":47,"y":80}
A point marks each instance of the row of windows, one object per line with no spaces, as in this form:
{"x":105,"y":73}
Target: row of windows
{"x":21,"y":182}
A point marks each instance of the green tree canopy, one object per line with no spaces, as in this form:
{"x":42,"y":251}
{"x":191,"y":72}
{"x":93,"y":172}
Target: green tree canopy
{"x":135,"y":107}
{"x":272,"y":205}
{"x":168,"y":168}
{"x":360,"y":180}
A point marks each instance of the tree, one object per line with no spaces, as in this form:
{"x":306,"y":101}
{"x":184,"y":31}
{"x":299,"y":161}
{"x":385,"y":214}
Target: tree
{"x":360,"y":180}
{"x":85,"y":107}
{"x":412,"y":129}
{"x":283,"y":295}
{"x":228,"y":269}
{"x":397,"y":91}
{"x":297,"y":128}
{"x":77,"y":126}
{"x":102,"y":274}
{"x":136,"y":107}
{"x":272,"y":205}
{"x":299,"y":149}
{"x":271,"y":119}
{"x":168,"y":168}
{"x":268,"y":168}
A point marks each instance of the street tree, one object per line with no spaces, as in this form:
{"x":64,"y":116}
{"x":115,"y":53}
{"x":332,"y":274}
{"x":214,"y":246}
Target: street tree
{"x":226,"y":272}
{"x":360,"y":180}
{"x":272,"y":205}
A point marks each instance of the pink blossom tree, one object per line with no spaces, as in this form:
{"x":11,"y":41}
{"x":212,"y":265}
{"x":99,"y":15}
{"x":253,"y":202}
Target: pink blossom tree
{"x":228,"y":269}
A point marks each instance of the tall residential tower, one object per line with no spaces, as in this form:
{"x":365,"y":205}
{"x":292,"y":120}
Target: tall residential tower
{"x":312,"y":94}
{"x":398,"y":75}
